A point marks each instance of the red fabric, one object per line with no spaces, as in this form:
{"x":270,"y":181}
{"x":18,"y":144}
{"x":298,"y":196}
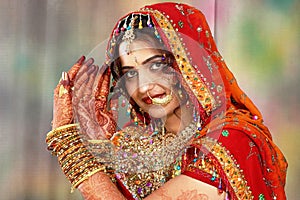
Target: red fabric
{"x":265,"y":170}
{"x":273,"y":164}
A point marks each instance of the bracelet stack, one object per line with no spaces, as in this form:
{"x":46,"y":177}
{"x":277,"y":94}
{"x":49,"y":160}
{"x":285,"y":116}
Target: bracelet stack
{"x":76,"y":161}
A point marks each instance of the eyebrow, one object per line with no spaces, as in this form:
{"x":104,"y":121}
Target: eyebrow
{"x":144,"y":62}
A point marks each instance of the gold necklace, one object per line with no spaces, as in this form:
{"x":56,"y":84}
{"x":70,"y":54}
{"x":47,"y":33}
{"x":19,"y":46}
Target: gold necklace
{"x":144,"y":163}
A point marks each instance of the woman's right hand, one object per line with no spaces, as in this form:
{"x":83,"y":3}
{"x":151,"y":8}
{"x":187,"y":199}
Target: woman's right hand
{"x":62,"y":105}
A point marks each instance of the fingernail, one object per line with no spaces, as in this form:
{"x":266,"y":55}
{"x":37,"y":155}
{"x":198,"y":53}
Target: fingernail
{"x":89,"y":62}
{"x":64,"y":78}
{"x":80,"y":60}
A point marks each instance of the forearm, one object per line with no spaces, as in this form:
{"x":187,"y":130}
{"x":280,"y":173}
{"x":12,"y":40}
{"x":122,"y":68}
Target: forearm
{"x":185,"y":188}
{"x":99,"y":187}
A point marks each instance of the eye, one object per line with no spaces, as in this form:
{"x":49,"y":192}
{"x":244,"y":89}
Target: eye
{"x":157,"y":66}
{"x":130,"y":74}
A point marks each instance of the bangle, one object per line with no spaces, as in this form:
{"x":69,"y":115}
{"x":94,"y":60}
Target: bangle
{"x":62,"y":129}
{"x":75,"y":158}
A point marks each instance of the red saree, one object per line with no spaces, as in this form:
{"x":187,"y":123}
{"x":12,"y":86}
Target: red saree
{"x":234,"y":150}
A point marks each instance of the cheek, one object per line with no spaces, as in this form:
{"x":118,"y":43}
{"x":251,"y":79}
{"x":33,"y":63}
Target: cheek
{"x":131,"y":89}
{"x":167,"y":80}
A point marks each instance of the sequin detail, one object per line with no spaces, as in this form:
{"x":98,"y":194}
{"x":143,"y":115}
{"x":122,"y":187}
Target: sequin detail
{"x":228,"y":166}
{"x":189,"y":74}
{"x":145,"y":162}
{"x":225,"y":133}
{"x":261,"y":197}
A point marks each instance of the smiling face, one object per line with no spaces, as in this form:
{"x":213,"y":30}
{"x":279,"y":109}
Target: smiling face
{"x":149,"y":78}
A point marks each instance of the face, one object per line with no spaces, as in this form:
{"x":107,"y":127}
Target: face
{"x":149,"y":78}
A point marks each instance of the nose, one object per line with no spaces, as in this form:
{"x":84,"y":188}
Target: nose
{"x":146,"y":81}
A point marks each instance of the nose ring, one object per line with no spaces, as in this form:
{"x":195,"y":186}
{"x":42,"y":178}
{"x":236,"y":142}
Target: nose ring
{"x":161,"y":101}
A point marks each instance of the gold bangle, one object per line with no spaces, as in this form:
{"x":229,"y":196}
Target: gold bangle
{"x":61,"y":134}
{"x":84,"y":160}
{"x":67,"y":144}
{"x":73,"y":157}
{"x":70,"y":150}
{"x":63,"y":129}
{"x":76,"y":161}
{"x":71,"y":162}
{"x":76,"y":167}
{"x":87,"y":176}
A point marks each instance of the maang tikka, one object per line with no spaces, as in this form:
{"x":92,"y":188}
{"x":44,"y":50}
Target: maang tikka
{"x":129,"y":36}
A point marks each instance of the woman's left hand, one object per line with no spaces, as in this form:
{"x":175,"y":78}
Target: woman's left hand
{"x":91,"y":89}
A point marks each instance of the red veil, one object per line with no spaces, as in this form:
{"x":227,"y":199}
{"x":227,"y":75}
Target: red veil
{"x":238,"y":154}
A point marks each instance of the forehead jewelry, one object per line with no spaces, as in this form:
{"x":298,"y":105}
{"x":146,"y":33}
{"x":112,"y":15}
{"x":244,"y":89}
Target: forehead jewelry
{"x":141,"y":22}
{"x":129,"y":36}
{"x":161,"y":101}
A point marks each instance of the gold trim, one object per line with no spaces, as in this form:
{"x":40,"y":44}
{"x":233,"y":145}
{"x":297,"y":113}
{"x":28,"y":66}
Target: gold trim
{"x":189,"y":74}
{"x":230,"y":167}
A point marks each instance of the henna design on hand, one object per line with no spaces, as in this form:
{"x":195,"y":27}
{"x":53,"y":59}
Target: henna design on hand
{"x":89,"y":105}
{"x":62,"y":105}
{"x":99,"y":186}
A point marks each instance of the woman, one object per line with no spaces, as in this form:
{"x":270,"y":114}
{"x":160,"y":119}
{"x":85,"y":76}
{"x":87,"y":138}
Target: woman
{"x":192,"y":133}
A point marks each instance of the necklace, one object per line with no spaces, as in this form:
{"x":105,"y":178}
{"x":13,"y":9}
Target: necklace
{"x":139,"y":153}
{"x":144,"y":163}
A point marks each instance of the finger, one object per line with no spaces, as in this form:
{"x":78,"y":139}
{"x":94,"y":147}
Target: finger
{"x":84,"y":84}
{"x":92,"y":77}
{"x":102,"y":89}
{"x":83,"y":73}
{"x":85,"y":67}
{"x":75,"y":68}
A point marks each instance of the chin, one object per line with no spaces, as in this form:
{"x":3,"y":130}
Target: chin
{"x":157,"y":112}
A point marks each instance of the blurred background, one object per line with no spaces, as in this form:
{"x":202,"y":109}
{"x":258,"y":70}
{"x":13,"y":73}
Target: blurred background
{"x":39,"y":39}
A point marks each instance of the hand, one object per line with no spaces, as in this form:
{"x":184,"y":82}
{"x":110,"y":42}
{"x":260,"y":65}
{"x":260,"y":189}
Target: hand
{"x":90,"y":106}
{"x":62,"y":106}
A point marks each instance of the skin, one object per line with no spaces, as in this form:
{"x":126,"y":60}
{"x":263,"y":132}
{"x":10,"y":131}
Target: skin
{"x":99,"y":185}
{"x":144,"y":75}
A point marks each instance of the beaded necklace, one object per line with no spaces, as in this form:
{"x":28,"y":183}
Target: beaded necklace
{"x":145,"y":163}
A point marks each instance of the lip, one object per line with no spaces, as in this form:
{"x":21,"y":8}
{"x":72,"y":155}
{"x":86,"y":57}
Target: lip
{"x":147,"y":100}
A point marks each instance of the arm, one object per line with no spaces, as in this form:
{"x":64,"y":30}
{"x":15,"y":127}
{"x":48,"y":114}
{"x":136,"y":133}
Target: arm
{"x":99,"y":186}
{"x":184,"y":187}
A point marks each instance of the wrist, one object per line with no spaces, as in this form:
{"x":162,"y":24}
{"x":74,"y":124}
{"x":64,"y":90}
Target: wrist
{"x":75,"y":159}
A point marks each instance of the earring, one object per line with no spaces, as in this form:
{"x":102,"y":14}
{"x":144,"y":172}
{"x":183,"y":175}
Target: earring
{"x":197,"y":119}
{"x":143,"y":115}
{"x":180,"y":93}
{"x":129,"y":108}
{"x":123,"y":103}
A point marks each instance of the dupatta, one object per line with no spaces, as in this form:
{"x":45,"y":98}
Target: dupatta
{"x":233,"y":128}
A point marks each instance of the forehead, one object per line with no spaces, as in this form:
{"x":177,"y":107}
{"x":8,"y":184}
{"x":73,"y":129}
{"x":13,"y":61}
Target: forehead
{"x":139,"y":51}
{"x":137,"y":45}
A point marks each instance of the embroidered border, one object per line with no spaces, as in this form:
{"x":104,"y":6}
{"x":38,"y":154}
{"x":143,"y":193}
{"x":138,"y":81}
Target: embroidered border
{"x":195,"y":83}
{"x":229,"y":166}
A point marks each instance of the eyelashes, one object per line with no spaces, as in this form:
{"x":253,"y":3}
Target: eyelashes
{"x":151,"y":67}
